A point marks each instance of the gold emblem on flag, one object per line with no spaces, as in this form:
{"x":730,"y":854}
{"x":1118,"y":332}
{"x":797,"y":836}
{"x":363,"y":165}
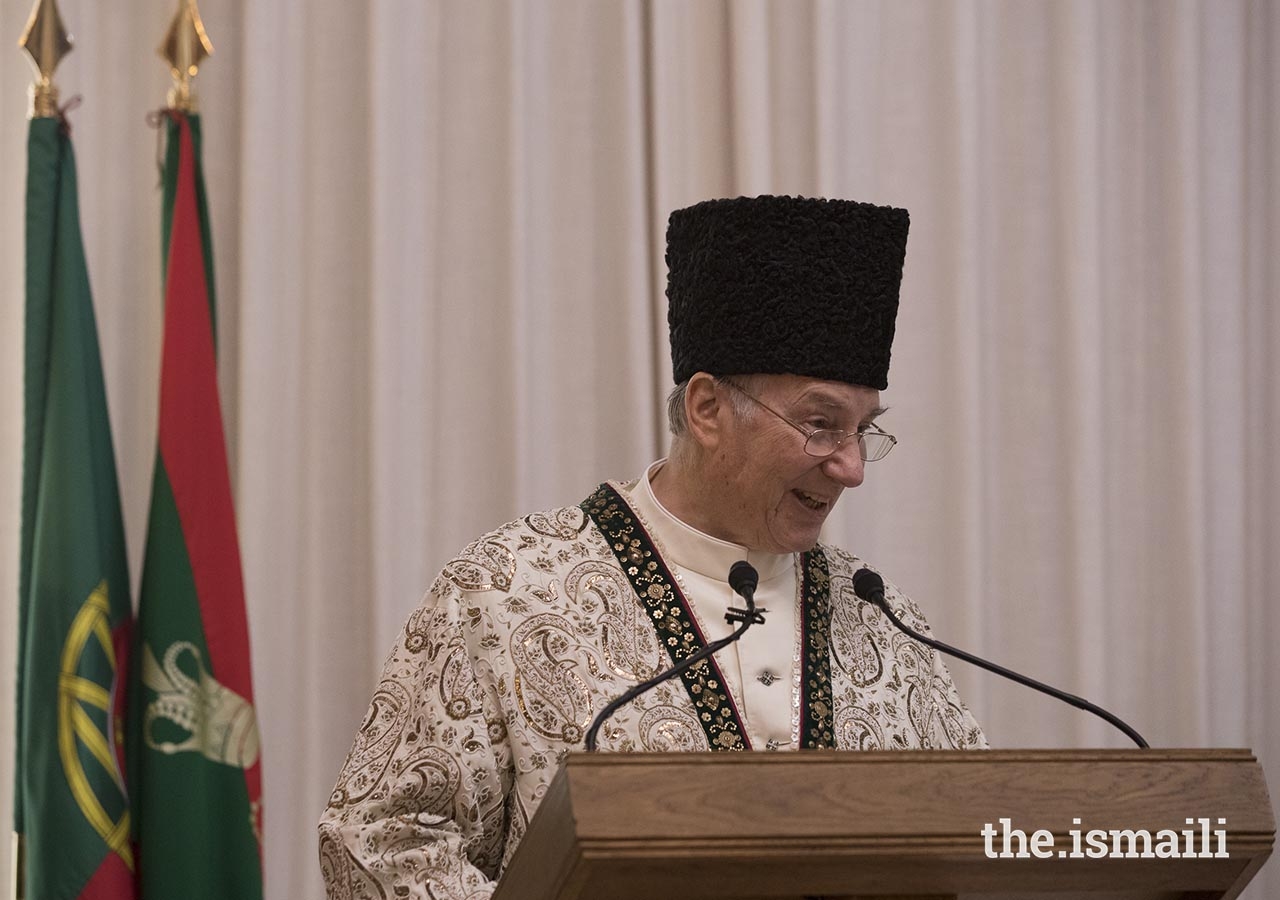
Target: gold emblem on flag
{"x":77,"y":726}
{"x":209,"y":717}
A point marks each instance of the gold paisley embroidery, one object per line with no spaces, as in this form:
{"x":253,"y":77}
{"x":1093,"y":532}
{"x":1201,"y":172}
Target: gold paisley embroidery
{"x":484,"y":566}
{"x":455,"y":682}
{"x":417,"y":632}
{"x":948,"y":715}
{"x":346,"y":878}
{"x":858,"y":730}
{"x":375,"y":746}
{"x":630,"y":646}
{"x":429,"y":782}
{"x":853,"y":640}
{"x":563,"y":524}
{"x":552,"y":696}
{"x":666,"y":729}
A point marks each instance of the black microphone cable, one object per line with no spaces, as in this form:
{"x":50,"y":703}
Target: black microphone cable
{"x":870,"y":587}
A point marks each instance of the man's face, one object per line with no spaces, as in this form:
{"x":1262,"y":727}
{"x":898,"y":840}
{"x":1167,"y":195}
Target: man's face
{"x":772,"y":495}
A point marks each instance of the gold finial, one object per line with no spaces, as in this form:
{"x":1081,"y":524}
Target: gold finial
{"x":46,"y":42}
{"x":185,"y":46}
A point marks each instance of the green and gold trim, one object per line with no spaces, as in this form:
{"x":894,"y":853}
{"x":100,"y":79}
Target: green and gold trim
{"x":817,"y":722}
{"x":669,"y":612}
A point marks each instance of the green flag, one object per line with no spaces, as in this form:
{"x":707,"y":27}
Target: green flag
{"x":196,"y":781}
{"x":74,"y":607}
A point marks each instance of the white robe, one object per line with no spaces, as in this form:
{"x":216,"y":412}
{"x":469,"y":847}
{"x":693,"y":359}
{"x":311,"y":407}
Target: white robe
{"x":534,"y":628}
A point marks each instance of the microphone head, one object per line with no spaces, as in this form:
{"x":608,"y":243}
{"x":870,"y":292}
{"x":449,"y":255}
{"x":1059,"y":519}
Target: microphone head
{"x":743,"y":578}
{"x":868,"y":585}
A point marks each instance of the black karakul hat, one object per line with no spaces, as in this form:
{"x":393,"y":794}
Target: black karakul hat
{"x":785,"y":285}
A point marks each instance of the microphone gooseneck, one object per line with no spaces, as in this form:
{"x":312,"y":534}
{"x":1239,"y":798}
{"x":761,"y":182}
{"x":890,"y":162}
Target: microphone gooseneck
{"x":870,"y":587}
{"x":743,"y":578}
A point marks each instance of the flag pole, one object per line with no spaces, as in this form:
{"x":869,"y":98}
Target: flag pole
{"x":186,"y":45}
{"x":19,"y":857}
{"x":45,"y":41}
{"x":191,"y":599}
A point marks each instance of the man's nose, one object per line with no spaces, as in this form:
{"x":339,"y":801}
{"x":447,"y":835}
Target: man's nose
{"x":846,"y":465}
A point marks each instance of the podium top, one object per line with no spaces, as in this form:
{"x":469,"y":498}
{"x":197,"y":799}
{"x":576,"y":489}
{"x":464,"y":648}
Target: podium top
{"x":898,"y":823}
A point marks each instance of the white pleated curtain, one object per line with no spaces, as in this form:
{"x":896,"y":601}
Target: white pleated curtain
{"x":439,"y":237}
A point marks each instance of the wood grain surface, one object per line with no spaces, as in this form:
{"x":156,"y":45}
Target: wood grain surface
{"x":883,"y":824}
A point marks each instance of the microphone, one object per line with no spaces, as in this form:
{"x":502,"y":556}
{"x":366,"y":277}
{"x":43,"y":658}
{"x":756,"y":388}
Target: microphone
{"x":870,"y":587}
{"x":743,"y":578}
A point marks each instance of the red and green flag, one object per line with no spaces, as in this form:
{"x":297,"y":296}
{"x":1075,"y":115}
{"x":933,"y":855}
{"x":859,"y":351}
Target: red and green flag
{"x":74,"y":608}
{"x":196,"y":774}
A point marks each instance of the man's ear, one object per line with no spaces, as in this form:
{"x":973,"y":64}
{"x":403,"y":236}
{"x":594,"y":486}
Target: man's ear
{"x":706,"y":410}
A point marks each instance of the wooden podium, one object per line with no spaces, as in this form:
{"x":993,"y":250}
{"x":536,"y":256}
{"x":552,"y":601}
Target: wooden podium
{"x":894,"y":824}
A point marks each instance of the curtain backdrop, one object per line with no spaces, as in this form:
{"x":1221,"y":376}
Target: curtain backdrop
{"x":438,"y":230}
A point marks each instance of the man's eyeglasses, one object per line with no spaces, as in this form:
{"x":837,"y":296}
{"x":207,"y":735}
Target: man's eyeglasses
{"x":873,"y":443}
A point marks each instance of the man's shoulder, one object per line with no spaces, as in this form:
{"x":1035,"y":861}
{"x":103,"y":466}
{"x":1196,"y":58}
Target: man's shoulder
{"x":841,"y":564}
{"x":565,"y":523}
{"x":543,"y":541}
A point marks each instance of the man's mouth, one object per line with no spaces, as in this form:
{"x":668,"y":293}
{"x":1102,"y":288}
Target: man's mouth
{"x":814,"y":502}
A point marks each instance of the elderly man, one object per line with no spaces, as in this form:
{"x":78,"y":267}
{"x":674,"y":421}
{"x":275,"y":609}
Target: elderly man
{"x":782,"y":315}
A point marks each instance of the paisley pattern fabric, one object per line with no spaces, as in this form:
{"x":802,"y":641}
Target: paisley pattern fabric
{"x":498,"y":674}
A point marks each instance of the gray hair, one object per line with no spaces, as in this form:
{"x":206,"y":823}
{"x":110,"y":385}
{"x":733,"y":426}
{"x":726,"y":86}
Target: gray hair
{"x":678,"y":423}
